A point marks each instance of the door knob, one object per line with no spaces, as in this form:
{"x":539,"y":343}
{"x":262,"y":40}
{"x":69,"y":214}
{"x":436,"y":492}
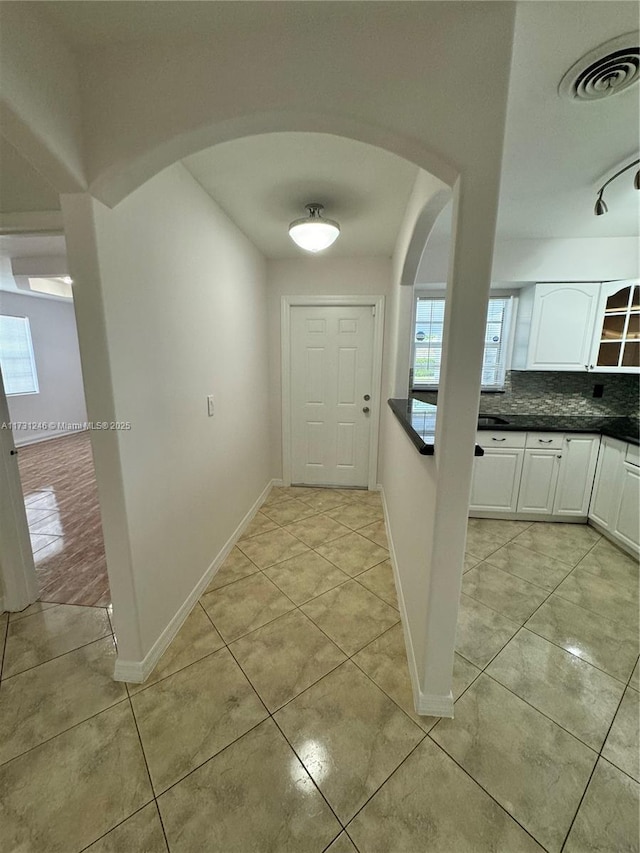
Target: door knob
{"x":365,"y":409}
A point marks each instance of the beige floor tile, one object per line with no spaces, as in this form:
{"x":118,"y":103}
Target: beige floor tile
{"x":581,"y":698}
{"x":188,"y":717}
{"x":195,"y":640}
{"x":41,"y":702}
{"x":430,"y":805}
{"x":635,"y":677}
{"x":42,"y":636}
{"x":608,"y":815}
{"x":380,"y":580}
{"x":357,"y":514}
{"x":601,"y":597}
{"x":351,"y":615}
{"x":245,"y":605}
{"x":469,"y":562}
{"x":349,"y":736}
{"x":267,"y":549}
{"x":36,"y":607}
{"x":529,"y":565}
{"x":377,"y":532}
{"x":285,"y":657}
{"x":141,"y":833}
{"x":531,"y":766}
{"x":253,"y":796}
{"x":565,"y":542}
{"x":68,"y":792}
{"x":316,"y":530}
{"x":342,"y":844}
{"x":235,"y":567}
{"x":322,"y":500}
{"x":306,"y":576}
{"x":370,"y":498}
{"x":511,"y":596}
{"x":385,"y":662}
{"x":353,"y":553}
{"x":591,"y":637}
{"x":486,"y":535}
{"x":288,"y":511}
{"x":610,"y":563}
{"x":481,"y":631}
{"x":260,"y":523}
{"x":276,"y":495}
{"x":622,"y":746}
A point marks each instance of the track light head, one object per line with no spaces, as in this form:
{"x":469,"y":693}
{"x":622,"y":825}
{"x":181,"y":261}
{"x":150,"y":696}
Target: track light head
{"x":600,"y":207}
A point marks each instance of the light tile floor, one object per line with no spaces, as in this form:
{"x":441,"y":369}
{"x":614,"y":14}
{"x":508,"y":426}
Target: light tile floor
{"x":281,"y":717}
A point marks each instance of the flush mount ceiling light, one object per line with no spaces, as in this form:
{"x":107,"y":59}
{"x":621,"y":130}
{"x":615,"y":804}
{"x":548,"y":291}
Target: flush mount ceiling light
{"x":600,"y":206}
{"x":313,"y":233}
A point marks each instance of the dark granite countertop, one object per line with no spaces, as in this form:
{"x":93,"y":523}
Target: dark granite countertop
{"x":625,"y":429}
{"x":418,"y":419}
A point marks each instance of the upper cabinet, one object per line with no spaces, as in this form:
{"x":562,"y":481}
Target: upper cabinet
{"x":578,"y":327}
{"x":616,"y":344}
{"x":562,"y":323}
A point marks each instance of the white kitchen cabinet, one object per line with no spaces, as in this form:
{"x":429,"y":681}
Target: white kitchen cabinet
{"x":616,"y":339}
{"x":496,"y":475}
{"x":605,"y":496}
{"x":615,"y":502}
{"x":562,"y":323}
{"x":576,"y":472}
{"x":538,"y":484}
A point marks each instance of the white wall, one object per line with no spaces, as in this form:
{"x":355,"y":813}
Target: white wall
{"x":184,"y":298}
{"x":320,"y":276}
{"x":577,"y":259}
{"x":55,"y":348}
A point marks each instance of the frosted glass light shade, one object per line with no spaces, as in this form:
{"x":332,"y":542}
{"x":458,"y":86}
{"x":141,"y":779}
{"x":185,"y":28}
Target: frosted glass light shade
{"x":313,"y":233}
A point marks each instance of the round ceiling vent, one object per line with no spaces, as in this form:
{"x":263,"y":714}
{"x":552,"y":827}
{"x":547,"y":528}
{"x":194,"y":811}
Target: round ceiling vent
{"x":605,"y":71}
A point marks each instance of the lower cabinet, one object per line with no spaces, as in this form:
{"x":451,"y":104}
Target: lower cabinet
{"x":534,"y":474}
{"x":615,"y":502}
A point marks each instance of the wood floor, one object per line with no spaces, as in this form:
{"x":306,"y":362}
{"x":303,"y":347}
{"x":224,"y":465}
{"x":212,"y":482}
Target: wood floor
{"x":61,"y":499}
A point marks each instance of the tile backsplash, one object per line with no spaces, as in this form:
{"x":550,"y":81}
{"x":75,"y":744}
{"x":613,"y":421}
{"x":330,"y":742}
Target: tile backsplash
{"x":562,"y":393}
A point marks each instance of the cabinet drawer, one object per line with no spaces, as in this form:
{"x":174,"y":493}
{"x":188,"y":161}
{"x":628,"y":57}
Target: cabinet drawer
{"x":545,"y":440}
{"x":632,"y":455}
{"x":497,"y":438}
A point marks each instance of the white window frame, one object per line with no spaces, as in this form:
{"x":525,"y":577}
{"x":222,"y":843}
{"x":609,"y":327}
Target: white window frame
{"x":32,"y":359}
{"x":508,"y":324}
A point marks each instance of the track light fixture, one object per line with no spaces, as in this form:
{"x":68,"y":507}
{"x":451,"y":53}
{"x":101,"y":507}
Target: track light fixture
{"x":600,"y":206}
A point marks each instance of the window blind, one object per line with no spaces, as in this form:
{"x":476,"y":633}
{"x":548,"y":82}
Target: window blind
{"x":428,"y":342}
{"x":16,"y":356}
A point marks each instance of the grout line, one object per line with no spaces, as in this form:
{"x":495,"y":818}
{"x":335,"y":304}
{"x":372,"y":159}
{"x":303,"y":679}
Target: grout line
{"x":95,"y":840}
{"x":55,"y":657}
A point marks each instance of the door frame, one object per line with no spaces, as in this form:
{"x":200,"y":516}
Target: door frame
{"x":289,"y":302}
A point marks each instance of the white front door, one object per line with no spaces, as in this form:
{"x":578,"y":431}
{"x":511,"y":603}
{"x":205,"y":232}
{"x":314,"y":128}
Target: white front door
{"x":331,"y":362}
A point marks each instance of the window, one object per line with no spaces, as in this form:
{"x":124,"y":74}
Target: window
{"x":429,"y":328}
{"x":16,"y":356}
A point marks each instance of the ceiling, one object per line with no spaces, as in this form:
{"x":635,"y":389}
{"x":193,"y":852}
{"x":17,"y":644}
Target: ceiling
{"x":22,"y":189}
{"x":263,"y":183}
{"x":557,"y":153}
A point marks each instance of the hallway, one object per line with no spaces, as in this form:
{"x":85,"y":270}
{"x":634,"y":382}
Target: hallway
{"x":281,"y":715}
{"x":61,"y":500}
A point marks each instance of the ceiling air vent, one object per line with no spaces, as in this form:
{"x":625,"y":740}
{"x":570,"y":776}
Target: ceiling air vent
{"x":605,"y":71}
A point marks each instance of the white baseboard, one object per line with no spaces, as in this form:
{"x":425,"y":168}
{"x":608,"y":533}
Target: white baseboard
{"x":425,"y":704}
{"x":1,"y":603}
{"x":137,"y":671}
{"x":528,"y":516}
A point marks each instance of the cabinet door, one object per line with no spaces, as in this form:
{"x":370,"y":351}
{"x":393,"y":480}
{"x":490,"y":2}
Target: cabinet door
{"x":616,"y":343}
{"x":606,"y":489}
{"x":627,"y":522}
{"x":538,"y":483}
{"x":575,"y":480}
{"x":496,"y":478}
{"x":562,"y":326}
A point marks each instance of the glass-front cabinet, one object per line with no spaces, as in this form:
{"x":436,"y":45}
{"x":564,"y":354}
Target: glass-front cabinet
{"x":617,"y":340}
